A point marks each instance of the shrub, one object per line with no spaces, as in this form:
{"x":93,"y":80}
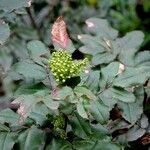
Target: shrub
{"x":62,"y":103}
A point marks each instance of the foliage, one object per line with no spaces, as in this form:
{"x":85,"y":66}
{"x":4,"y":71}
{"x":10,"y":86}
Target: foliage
{"x":99,"y":104}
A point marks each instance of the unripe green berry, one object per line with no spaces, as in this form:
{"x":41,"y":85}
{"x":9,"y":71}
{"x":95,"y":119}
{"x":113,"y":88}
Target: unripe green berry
{"x":63,"y":67}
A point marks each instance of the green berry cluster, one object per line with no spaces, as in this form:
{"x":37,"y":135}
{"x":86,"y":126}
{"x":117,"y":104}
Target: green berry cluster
{"x":58,"y":122}
{"x":63,"y":67}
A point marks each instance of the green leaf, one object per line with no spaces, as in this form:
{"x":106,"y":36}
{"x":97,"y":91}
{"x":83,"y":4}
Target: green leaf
{"x":129,"y":110}
{"x":50,"y":103}
{"x":62,"y":93}
{"x":59,"y":144}
{"x":69,"y":48}
{"x":131,"y":40}
{"x":30,"y":70}
{"x":80,"y":91}
{"x":142,"y":59}
{"x":5,"y":58}
{"x":4,"y":32}
{"x":81,"y":109}
{"x":27,"y":89}
{"x":103,"y":58}
{"x":128,"y":46}
{"x":4,"y":128}
{"x":91,"y":80}
{"x":93,"y":44}
{"x":27,"y":103}
{"x":96,"y":145}
{"x":9,"y":116}
{"x":79,"y":126}
{"x":101,"y":28}
{"x":133,"y":76}
{"x":106,"y":97}
{"x":135,"y":133}
{"x":8,"y":5}
{"x":7,"y":140}
{"x":99,"y":111}
{"x":39,"y":113}
{"x":36,"y":50}
{"x":122,"y":95}
{"x":108,"y":74}
{"x":32,"y":138}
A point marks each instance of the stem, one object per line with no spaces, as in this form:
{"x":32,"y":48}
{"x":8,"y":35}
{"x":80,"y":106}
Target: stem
{"x":33,"y":22}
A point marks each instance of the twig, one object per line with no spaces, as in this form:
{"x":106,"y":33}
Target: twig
{"x":34,"y":24}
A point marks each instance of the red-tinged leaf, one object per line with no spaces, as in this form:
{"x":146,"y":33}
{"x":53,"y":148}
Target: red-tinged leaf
{"x":59,"y":32}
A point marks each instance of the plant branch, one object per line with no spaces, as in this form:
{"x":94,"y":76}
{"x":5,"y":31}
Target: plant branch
{"x":33,"y":22}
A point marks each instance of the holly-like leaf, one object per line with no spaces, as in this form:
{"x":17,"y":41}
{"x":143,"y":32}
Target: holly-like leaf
{"x":80,"y":91}
{"x":32,"y":138}
{"x":81,"y":109}
{"x":62,"y":93}
{"x":108,"y":74}
{"x":101,"y":28}
{"x":37,"y":51}
{"x":96,"y":145}
{"x":91,"y":80}
{"x":4,"y":31}
{"x":7,"y":140}
{"x":30,"y":70}
{"x":59,"y":144}
{"x":133,"y":76}
{"x":79,"y":126}
{"x":39,"y":113}
{"x":128,"y":109}
{"x":103,"y":58}
{"x":8,"y":116}
{"x":99,"y":111}
{"x":93,"y":44}
{"x":8,"y":5}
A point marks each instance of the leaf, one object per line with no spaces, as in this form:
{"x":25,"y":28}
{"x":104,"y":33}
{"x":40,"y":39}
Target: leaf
{"x":9,"y":116}
{"x":131,"y":40}
{"x":59,"y":144}
{"x":50,"y":103}
{"x":135,"y":133}
{"x":142,"y":58}
{"x":99,"y":111}
{"x":62,"y":93}
{"x":108,"y":74}
{"x":8,"y":5}
{"x":91,"y":80}
{"x":93,"y":44}
{"x":129,"y":110}
{"x":4,"y":31}
{"x":122,"y":95}
{"x":4,"y":128}
{"x":133,"y":76}
{"x":60,"y":36}
{"x":30,"y":70}
{"x":96,"y":145}
{"x":32,"y":138}
{"x":27,"y":103}
{"x":80,"y":127}
{"x":7,"y":140}
{"x":103,"y":58}
{"x":5,"y":58}
{"x":101,"y":28}
{"x":81,"y":110}
{"x":80,"y":90}
{"x":39,"y":113}
{"x":36,"y":50}
{"x":27,"y":89}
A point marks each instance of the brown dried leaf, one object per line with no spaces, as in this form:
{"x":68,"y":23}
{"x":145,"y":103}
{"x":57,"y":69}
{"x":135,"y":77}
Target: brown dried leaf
{"x":59,"y":32}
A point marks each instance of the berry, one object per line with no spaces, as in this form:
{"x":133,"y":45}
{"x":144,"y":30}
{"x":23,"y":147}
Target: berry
{"x":63,"y":67}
